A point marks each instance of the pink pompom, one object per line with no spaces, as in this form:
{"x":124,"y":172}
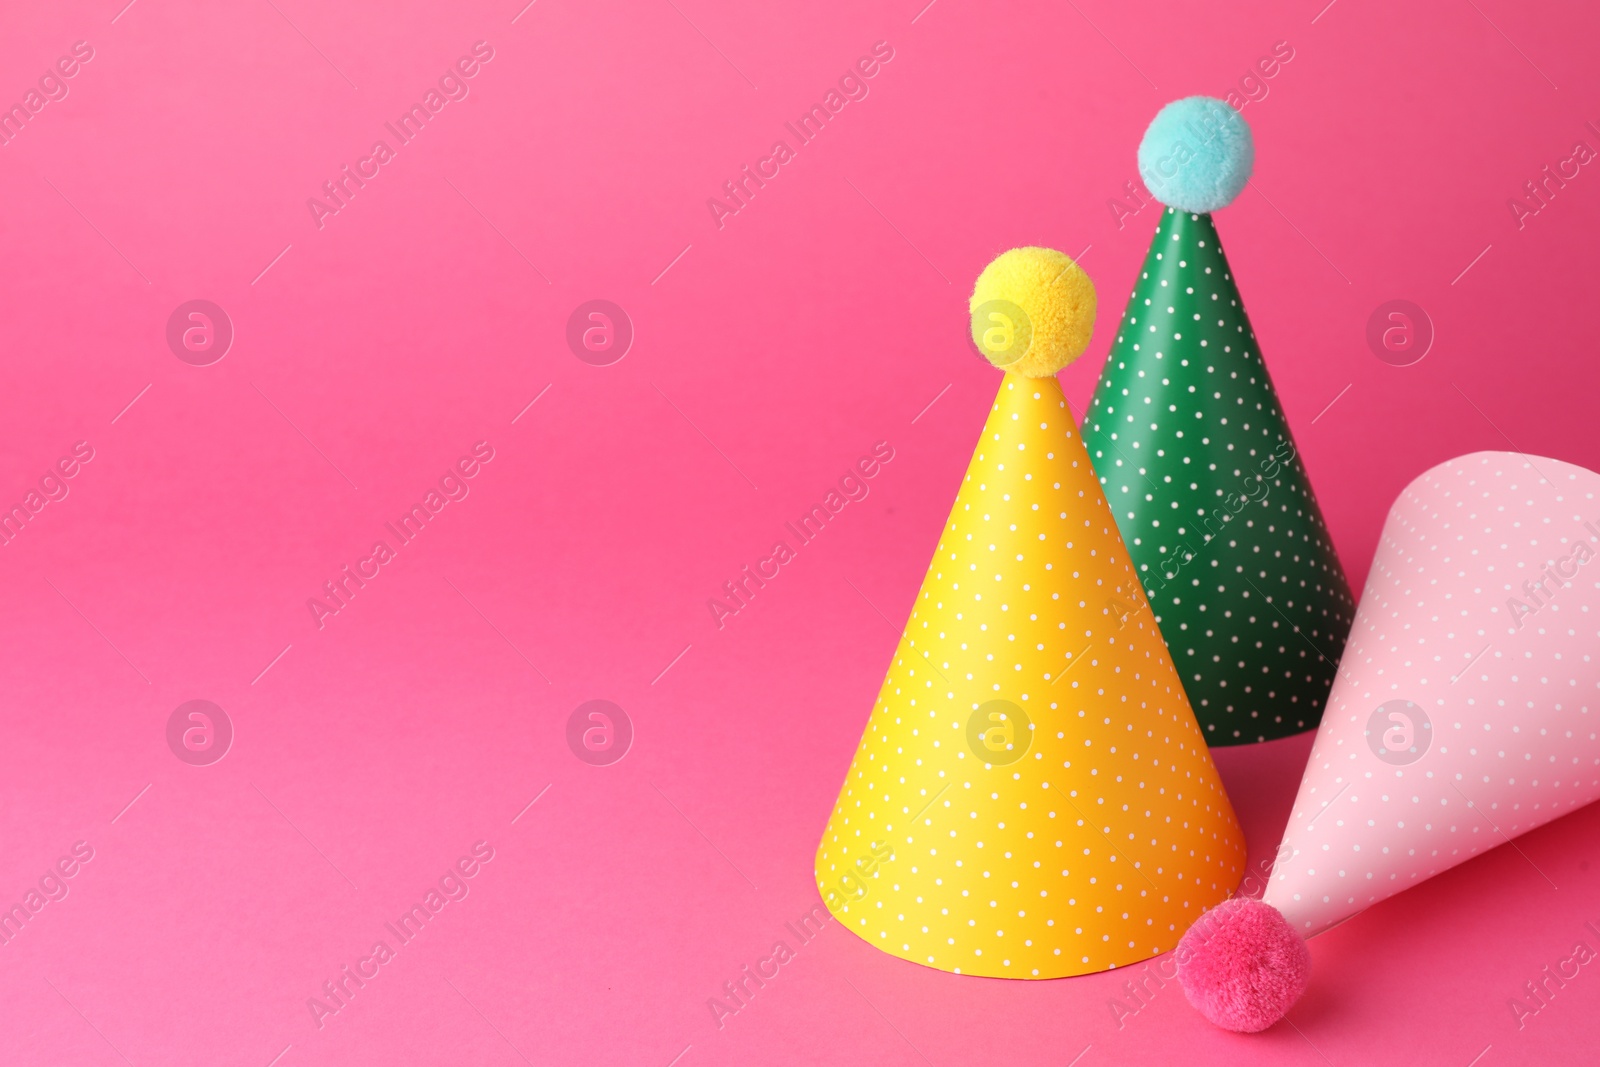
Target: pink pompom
{"x":1243,"y":965}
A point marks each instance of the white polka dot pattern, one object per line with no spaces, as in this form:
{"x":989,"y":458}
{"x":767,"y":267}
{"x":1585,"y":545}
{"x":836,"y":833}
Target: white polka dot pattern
{"x":1465,"y":708}
{"x":1032,"y":796}
{"x":1196,"y":457}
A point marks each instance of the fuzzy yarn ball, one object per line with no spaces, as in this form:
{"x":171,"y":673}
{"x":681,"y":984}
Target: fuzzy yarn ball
{"x":1032,"y":311}
{"x":1197,"y":154}
{"x":1243,"y":965}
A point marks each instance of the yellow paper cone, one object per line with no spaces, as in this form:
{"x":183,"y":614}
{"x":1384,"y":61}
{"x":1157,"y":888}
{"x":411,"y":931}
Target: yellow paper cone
{"x":1032,"y":797}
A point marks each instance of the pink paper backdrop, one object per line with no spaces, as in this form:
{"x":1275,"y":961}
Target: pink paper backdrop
{"x":371,"y":352}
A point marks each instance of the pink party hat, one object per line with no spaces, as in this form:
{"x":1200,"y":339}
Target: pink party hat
{"x":1460,"y":718}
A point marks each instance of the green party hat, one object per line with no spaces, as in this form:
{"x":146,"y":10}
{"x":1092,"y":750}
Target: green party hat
{"x":1194,"y":453}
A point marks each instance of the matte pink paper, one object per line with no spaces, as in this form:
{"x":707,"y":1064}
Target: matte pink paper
{"x":1466,"y":709}
{"x":770,"y":350}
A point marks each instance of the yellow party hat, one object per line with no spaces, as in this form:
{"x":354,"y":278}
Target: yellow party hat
{"x":1032,"y":797}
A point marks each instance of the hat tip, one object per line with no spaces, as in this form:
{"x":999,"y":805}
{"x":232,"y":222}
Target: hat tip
{"x":1197,"y":154}
{"x":1033,"y":311}
{"x":1242,"y":965}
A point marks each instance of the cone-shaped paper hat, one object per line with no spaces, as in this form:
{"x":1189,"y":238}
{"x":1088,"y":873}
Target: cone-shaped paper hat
{"x":1031,"y":797}
{"x":1196,"y":458}
{"x":1463,"y":713}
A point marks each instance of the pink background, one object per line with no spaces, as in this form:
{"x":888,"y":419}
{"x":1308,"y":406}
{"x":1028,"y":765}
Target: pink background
{"x":822,"y":318}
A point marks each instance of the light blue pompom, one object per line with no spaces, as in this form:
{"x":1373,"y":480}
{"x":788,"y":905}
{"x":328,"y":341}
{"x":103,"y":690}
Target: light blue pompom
{"x":1197,"y":154}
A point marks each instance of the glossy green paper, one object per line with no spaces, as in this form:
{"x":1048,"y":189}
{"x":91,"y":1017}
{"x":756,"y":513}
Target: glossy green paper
{"x":1197,"y":461}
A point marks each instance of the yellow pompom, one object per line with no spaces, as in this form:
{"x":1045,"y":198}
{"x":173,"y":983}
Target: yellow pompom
{"x":1032,"y":311}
